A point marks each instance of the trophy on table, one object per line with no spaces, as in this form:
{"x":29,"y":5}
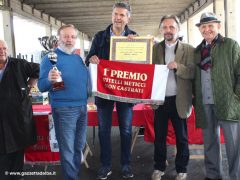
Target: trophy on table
{"x":50,"y":43}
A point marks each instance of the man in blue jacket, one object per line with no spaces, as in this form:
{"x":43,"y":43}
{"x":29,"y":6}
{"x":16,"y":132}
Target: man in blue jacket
{"x":100,"y":50}
{"x":68,"y":104}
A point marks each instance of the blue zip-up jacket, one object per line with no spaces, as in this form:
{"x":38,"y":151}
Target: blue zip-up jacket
{"x":101,"y":44}
{"x":101,"y":47}
{"x":75,"y":77}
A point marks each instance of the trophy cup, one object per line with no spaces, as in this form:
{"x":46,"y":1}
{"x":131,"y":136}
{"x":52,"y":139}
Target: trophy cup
{"x":50,"y":43}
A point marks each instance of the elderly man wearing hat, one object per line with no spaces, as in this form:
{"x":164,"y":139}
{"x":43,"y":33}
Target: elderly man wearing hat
{"x":217,"y":93}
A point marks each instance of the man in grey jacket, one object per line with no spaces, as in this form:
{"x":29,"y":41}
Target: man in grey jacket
{"x":178,"y":57}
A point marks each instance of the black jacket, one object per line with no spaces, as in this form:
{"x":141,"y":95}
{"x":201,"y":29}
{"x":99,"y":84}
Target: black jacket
{"x":17,"y":127}
{"x":101,"y":47}
{"x":101,"y":44}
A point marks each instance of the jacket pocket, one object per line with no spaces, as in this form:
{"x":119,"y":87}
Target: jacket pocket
{"x":233,"y":108}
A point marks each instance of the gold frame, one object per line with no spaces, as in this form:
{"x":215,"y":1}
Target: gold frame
{"x":136,"y":50}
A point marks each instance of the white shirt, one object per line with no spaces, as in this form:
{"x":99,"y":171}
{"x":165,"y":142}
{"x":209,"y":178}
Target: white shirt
{"x":171,"y":88}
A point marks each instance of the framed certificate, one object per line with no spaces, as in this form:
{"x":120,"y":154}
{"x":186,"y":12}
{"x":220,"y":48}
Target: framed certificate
{"x":137,"y":50}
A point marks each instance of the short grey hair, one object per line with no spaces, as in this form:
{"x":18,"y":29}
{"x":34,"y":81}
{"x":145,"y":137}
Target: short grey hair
{"x":123,"y":5}
{"x":175,"y":18}
{"x":4,"y":42}
{"x":66,"y":26}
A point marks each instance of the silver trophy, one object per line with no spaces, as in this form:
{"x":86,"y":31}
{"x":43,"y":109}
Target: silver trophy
{"x":50,"y":43}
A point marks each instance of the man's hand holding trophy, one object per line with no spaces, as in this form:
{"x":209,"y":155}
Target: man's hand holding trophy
{"x":54,"y":75}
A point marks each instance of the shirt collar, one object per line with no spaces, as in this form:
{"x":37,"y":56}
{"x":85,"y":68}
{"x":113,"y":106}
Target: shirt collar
{"x":112,"y":34}
{"x":171,"y":45}
{"x":2,"y":70}
{"x":63,"y":50}
{"x":5,"y":65}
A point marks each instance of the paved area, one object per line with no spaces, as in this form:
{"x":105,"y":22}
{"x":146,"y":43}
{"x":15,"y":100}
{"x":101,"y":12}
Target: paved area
{"x":142,"y":162}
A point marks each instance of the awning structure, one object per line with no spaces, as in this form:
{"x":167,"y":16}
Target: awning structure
{"x":90,"y":16}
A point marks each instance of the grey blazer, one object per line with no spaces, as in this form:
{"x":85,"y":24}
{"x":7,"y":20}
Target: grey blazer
{"x":184,"y":74}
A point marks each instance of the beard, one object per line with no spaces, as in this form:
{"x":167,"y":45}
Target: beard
{"x":64,"y":48}
{"x":169,"y":36}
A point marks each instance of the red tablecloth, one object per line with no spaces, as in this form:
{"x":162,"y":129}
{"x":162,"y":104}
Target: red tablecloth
{"x":41,"y":152}
{"x":139,"y":112}
{"x":139,"y":118}
{"x":142,"y":116}
{"x":194,"y":134}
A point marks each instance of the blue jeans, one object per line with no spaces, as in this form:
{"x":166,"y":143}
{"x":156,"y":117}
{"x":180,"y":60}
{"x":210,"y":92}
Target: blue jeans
{"x":71,"y":127}
{"x":124,"y":111}
{"x":161,"y":116}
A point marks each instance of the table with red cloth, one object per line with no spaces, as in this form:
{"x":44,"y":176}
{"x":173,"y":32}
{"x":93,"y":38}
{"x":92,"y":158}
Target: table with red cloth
{"x":41,"y":152}
{"x":142,"y":116}
{"x":139,"y":118}
{"x":194,"y":134}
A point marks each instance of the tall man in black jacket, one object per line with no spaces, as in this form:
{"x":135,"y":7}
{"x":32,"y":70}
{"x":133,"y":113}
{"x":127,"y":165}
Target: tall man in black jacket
{"x":100,"y":50}
{"x":17,"y":128}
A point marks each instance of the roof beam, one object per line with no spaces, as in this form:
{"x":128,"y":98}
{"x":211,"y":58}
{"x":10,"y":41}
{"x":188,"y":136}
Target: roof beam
{"x":193,"y":8}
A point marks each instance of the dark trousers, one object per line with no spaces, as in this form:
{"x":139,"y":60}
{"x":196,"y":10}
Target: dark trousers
{"x":12,"y":162}
{"x":161,"y":117}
